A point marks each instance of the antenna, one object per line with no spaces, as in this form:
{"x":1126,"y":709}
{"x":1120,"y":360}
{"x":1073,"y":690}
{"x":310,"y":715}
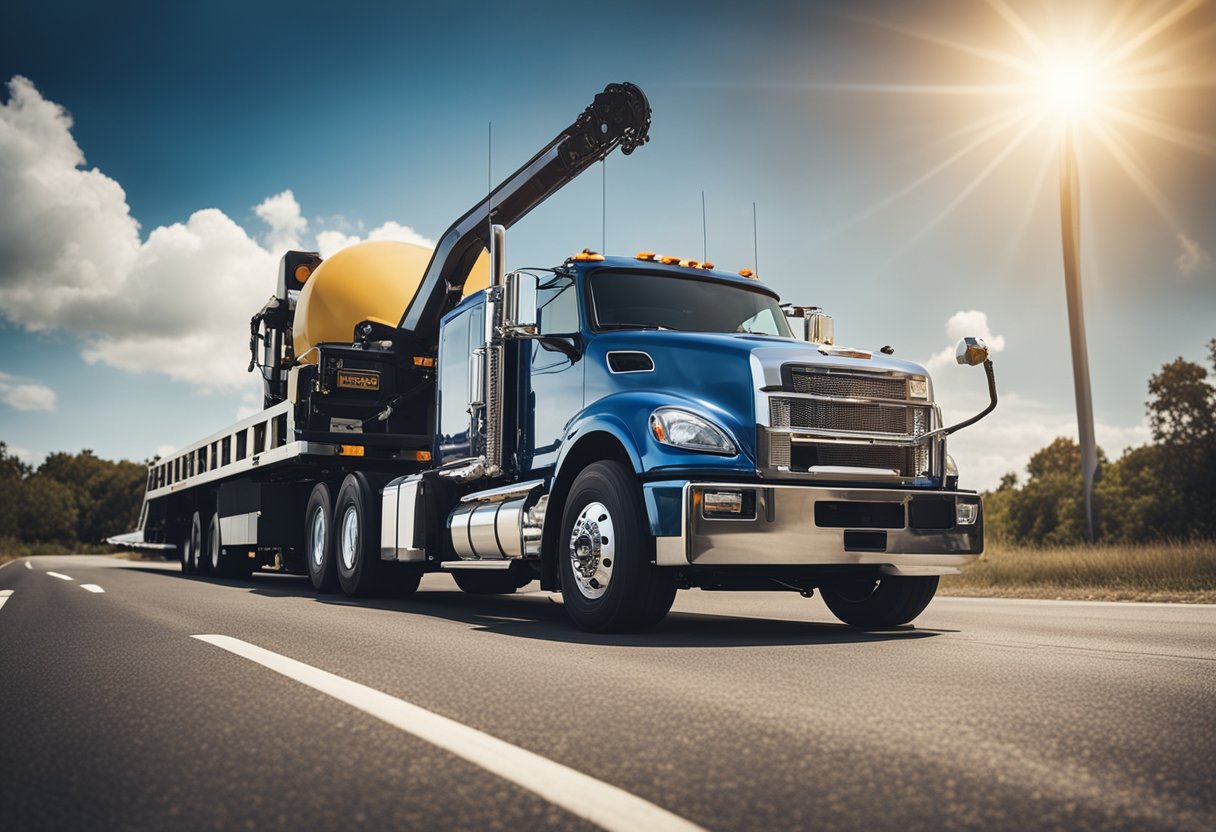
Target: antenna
{"x":704,"y":234}
{"x":489,"y":187}
{"x":755,"y":243}
{"x":604,"y":204}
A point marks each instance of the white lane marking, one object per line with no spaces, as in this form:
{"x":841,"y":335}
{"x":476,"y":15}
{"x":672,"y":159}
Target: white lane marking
{"x":29,"y":564}
{"x":92,"y":587}
{"x":60,"y":577}
{"x":4,"y":595}
{"x":7,"y":562}
{"x":606,"y":806}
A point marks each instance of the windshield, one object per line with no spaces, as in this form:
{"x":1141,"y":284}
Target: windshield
{"x":637,"y":300}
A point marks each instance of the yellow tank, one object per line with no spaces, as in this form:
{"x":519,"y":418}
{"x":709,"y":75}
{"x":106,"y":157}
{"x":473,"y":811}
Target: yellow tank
{"x":375,"y":280}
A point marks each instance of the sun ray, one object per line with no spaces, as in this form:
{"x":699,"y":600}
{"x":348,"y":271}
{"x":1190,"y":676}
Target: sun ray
{"x":1134,"y":172}
{"x":1186,"y":139}
{"x":1149,"y":32}
{"x":1034,"y":197}
{"x":997,"y":125}
{"x":992,"y":165}
{"x":1036,"y":44}
{"x":992,"y":55}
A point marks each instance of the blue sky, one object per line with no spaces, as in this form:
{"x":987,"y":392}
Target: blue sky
{"x":837,"y":120}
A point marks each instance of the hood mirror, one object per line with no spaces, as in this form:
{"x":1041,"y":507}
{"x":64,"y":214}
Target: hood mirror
{"x":971,"y":351}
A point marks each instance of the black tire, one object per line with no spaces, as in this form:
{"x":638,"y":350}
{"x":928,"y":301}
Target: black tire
{"x":493,"y":582}
{"x":218,"y":562}
{"x":192,"y":543}
{"x":874,"y":603}
{"x":612,"y":545}
{"x":319,"y":555}
{"x":357,"y":537}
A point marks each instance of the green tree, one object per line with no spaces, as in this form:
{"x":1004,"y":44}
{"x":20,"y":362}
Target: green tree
{"x":12,"y":480}
{"x":47,"y":511}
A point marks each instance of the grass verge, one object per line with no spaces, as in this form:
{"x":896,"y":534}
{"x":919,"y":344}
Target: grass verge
{"x":1174,"y":572}
{"x":11,"y":549}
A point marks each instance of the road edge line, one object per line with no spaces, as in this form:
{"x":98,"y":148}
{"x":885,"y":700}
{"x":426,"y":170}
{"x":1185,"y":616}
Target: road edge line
{"x":605,"y":805}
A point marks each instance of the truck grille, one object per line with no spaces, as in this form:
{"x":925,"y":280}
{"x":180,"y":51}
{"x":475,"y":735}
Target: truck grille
{"x":816,"y":415}
{"x":807,"y":416}
{"x":843,"y":386}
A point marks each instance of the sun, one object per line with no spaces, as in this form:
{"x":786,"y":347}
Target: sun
{"x":1069,"y":88}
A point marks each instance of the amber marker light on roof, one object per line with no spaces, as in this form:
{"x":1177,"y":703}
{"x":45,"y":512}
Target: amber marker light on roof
{"x":587,"y":254}
{"x":669,"y":261}
{"x":746,"y":273}
{"x":707,"y":265}
{"x":645,"y":255}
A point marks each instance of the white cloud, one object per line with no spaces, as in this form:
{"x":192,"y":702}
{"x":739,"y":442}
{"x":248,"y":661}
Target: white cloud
{"x":177,"y":303}
{"x":287,"y":227}
{"x":1192,"y":257}
{"x":22,"y":395}
{"x":165,"y":450}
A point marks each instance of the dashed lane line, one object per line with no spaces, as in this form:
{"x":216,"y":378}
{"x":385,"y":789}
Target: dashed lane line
{"x":61,"y":576}
{"x":5,"y":594}
{"x":29,"y":564}
{"x":92,"y":587}
{"x":605,"y":805}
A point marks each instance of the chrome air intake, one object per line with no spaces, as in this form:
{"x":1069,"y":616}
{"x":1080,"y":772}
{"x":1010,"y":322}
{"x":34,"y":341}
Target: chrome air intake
{"x":821,"y":419}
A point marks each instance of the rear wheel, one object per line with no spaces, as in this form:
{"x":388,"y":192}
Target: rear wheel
{"x":608,"y":581}
{"x":191,"y":545}
{"x":218,"y":562}
{"x":357,"y":536}
{"x":319,"y":540}
{"x":872,"y":603}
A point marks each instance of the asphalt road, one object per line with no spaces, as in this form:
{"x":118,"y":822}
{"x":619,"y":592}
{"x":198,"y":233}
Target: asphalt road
{"x":744,"y":711}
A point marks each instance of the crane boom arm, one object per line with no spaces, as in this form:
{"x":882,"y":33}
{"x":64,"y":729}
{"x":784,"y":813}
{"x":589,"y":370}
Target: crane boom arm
{"x":619,"y":116}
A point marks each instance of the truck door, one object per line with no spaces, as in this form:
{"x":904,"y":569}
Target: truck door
{"x":554,"y":385}
{"x":456,"y":435}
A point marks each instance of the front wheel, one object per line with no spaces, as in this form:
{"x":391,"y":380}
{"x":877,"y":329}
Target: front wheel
{"x":874,"y":603}
{"x":608,"y":581}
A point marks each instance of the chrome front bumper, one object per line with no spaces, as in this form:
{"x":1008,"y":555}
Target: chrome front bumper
{"x":905,"y":532}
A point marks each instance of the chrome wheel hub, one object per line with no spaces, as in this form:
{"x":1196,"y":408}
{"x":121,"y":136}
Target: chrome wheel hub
{"x":317,"y":537}
{"x":350,"y":537}
{"x":593,"y":550}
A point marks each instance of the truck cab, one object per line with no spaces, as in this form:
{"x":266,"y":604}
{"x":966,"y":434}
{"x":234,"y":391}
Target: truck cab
{"x":725,"y":453}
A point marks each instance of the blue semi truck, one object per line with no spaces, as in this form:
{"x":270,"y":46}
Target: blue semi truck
{"x":615,"y":428}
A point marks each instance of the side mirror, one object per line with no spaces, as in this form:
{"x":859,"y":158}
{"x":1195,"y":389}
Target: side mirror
{"x":812,"y":324}
{"x":971,"y":351}
{"x":520,"y":312}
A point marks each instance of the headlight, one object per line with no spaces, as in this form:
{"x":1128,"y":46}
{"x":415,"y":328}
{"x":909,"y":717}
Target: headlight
{"x":682,"y":429}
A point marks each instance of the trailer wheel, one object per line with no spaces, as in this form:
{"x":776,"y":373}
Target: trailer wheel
{"x":873,"y":603}
{"x":319,"y":539}
{"x":192,"y":545}
{"x":357,"y":536}
{"x":213,"y":562}
{"x":604,"y":554}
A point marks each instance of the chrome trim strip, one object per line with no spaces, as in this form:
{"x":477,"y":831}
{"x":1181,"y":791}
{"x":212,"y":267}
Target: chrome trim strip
{"x":502,"y":492}
{"x":476,"y":564}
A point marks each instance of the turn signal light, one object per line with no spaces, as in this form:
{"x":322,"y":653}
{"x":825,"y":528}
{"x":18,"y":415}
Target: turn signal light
{"x":422,"y":456}
{"x":423,"y":361}
{"x":351,"y":450}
